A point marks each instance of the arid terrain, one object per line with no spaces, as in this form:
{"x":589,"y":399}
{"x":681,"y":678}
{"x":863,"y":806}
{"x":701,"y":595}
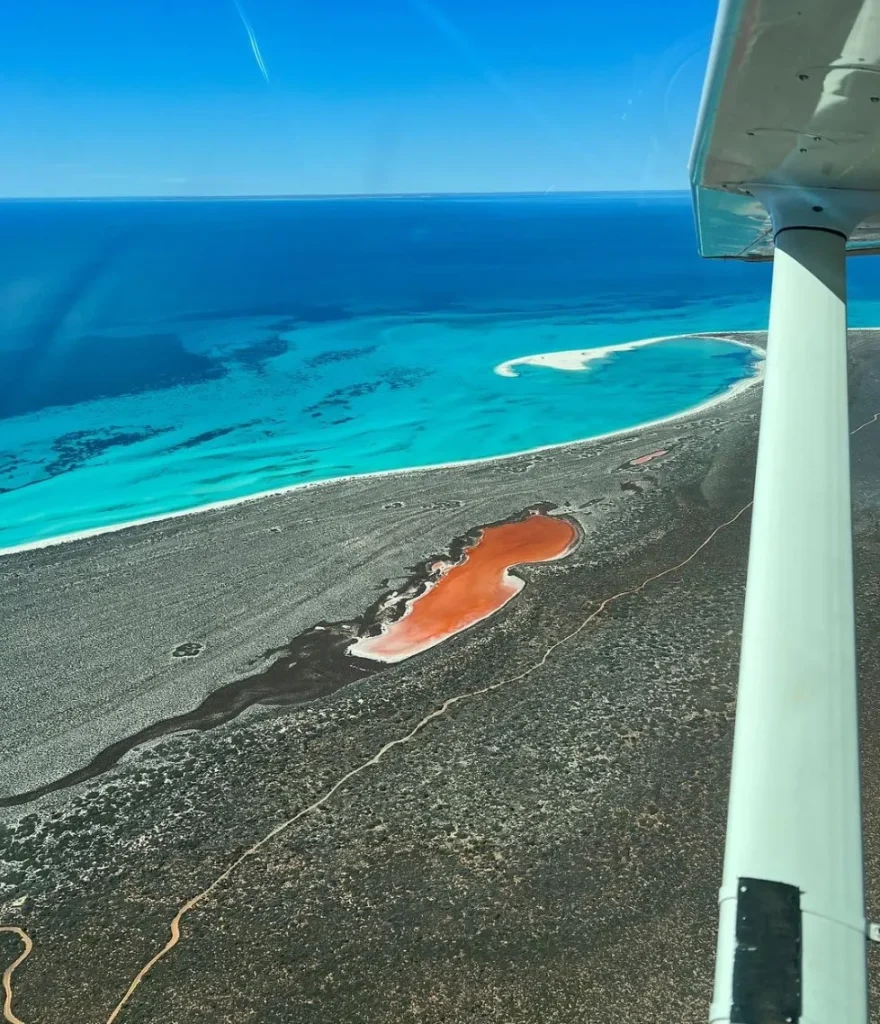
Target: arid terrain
{"x":523,"y":823}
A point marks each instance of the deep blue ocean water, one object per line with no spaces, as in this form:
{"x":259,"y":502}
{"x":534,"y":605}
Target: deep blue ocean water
{"x":157,"y":356}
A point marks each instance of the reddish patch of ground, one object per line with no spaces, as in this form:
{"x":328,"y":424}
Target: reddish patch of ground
{"x":642,"y":459}
{"x":472,"y":589}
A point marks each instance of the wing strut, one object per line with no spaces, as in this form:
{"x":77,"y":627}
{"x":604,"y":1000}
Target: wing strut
{"x":792,"y":931}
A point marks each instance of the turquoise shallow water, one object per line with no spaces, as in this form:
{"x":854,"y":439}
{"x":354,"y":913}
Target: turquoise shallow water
{"x":158,"y":357}
{"x":361,"y":396}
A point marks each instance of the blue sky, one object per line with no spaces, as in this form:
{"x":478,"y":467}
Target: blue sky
{"x":167,"y":97}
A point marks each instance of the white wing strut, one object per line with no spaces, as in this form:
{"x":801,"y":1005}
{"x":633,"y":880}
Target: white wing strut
{"x":794,"y":818}
{"x":795,"y":176}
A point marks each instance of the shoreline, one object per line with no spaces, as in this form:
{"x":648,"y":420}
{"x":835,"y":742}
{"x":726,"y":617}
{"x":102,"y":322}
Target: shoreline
{"x":735,"y":389}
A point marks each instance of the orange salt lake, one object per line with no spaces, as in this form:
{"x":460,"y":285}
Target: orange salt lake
{"x":642,"y":459}
{"x":472,"y":589}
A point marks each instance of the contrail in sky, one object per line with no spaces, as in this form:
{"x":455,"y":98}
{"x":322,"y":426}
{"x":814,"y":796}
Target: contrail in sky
{"x":501,"y":85}
{"x":255,"y":46}
{"x":459,"y":42}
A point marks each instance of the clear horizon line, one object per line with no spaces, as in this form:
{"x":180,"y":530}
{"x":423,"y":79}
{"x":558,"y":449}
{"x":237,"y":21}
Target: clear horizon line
{"x":280,"y":196}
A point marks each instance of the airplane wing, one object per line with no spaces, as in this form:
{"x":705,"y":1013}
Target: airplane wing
{"x":792,"y":97}
{"x":786,"y":166}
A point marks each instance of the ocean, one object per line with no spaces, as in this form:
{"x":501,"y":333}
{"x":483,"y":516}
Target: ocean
{"x":157,"y":356}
